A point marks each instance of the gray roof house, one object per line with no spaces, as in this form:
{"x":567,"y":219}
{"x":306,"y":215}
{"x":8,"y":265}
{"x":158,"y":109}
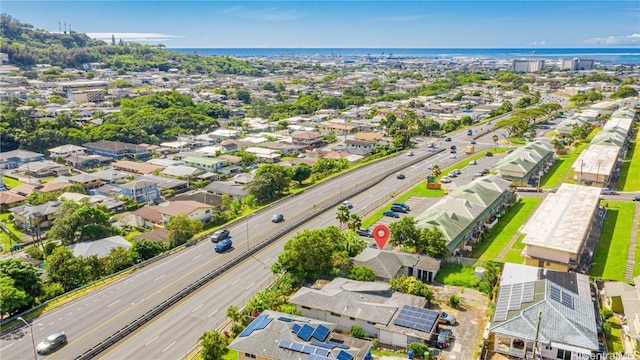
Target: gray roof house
{"x":275,"y":335}
{"x":566,"y":321}
{"x":100,"y":247}
{"x":389,"y":264}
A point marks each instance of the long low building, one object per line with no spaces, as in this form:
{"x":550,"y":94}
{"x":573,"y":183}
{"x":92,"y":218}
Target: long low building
{"x":463,"y":215}
{"x":556,"y":233}
{"x":524,"y":165}
{"x":596,"y":165}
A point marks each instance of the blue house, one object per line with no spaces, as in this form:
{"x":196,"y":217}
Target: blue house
{"x":141,"y":191}
{"x":16,"y":158}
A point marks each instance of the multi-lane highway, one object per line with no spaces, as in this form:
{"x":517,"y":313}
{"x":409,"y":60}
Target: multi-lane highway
{"x":94,"y":317}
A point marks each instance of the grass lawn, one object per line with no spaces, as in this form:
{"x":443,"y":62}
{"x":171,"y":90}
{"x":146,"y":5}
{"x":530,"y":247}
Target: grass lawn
{"x":10,"y":182}
{"x":562,"y":168}
{"x":610,"y":257}
{"x":230,"y":355}
{"x":457,"y":275}
{"x":630,"y":165}
{"x":614,"y":339}
{"x":513,"y":255}
{"x":418,"y":190}
{"x":506,"y":228}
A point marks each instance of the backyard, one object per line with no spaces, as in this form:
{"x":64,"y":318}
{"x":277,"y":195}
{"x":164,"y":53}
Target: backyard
{"x":561,"y":170}
{"x":610,"y":256}
{"x":630,"y":165}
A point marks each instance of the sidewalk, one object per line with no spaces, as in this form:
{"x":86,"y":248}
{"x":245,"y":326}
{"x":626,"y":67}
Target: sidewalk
{"x":631,"y":257}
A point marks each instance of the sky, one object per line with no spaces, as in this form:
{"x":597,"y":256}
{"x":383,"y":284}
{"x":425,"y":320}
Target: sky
{"x":343,"y":24}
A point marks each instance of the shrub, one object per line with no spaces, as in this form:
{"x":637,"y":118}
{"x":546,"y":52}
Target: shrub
{"x":606,"y":314}
{"x":357,"y":332}
{"x":417,"y":348}
{"x":454,"y":301}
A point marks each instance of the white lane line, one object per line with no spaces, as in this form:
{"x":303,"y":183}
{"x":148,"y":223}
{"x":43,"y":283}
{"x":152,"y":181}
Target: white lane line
{"x":159,"y":277}
{"x":150,"y":341}
{"x":266,"y":260}
{"x":51,"y":323}
{"x":69,"y":313}
{"x":213,"y":313}
{"x":170,"y":345}
{"x":235,"y":282}
{"x":197,"y":257}
{"x":6,"y":346}
{"x":115,"y":302}
{"x":198,"y":307}
{"x":249,"y":287}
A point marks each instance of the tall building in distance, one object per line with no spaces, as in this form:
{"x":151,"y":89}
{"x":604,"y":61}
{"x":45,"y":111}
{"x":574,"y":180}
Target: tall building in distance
{"x":527,"y":65}
{"x":576,"y":64}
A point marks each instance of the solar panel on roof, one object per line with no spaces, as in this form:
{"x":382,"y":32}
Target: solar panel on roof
{"x":318,"y":357}
{"x":305,"y":332}
{"x":249,"y":329}
{"x":343,"y":355}
{"x":285,"y":319}
{"x":285,"y":344}
{"x":413,"y":317}
{"x":528,"y":291}
{"x":320,"y":351}
{"x":295,"y":346}
{"x":567,"y":300}
{"x":338,"y":345}
{"x":296,"y":327}
{"x":321,"y":332}
{"x":326,"y":345}
{"x":554,"y":293}
{"x":263,"y":323}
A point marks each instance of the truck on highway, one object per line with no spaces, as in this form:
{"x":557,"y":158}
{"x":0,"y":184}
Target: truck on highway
{"x":470,"y":150}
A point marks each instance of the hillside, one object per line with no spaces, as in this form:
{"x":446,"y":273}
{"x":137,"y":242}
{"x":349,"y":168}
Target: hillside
{"x":28,"y":46}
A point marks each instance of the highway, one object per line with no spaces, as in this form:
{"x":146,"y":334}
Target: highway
{"x":93,"y":317}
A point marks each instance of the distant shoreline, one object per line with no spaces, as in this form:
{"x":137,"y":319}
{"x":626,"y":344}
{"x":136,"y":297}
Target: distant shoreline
{"x":614,"y":55}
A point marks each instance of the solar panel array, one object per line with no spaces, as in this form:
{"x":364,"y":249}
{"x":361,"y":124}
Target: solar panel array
{"x":305,"y":332}
{"x":343,"y":355}
{"x":416,"y":318}
{"x":329,"y":345}
{"x":511,"y":297}
{"x":321,"y":332}
{"x":318,"y":357}
{"x":561,"y":296}
{"x":259,"y":323}
{"x":302,"y":348}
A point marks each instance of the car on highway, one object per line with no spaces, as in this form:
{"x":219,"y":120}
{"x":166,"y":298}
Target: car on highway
{"x":403,"y":205}
{"x":452,"y":174}
{"x":430,"y":166}
{"x":447,"y":139}
{"x":453,"y":151}
{"x":489,"y":154}
{"x":473,"y":142}
{"x":485,"y":171}
{"x":445,"y":179}
{"x":477,"y":175}
{"x":400,"y":176}
{"x":277,"y":218}
{"x":364,"y":232}
{"x":453,"y":147}
{"x":607,"y":191}
{"x":473,"y":162}
{"x":390,"y":213}
{"x":453,"y":156}
{"x":223,"y":245}
{"x":51,"y":343}
{"x":219,"y":235}
{"x":410,"y":153}
{"x":347,"y":204}
{"x":447,"y":319}
{"x":444,"y":338}
{"x":398,"y":208}
{"x":457,"y":171}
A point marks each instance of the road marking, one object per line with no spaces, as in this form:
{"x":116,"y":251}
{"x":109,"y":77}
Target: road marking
{"x":198,"y":307}
{"x":150,"y":341}
{"x":197,"y":257}
{"x":235,"y":282}
{"x":249,"y":287}
{"x":6,"y":346}
{"x":213,"y":313}
{"x":51,"y":323}
{"x":115,"y":302}
{"x":60,"y":318}
{"x":170,"y":345}
{"x":69,"y":313}
{"x":159,"y":277}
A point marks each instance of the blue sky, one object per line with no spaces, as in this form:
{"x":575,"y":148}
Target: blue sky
{"x":344,"y":24}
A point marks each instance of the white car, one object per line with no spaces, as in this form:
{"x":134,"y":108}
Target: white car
{"x":445,"y":179}
{"x":347,"y":204}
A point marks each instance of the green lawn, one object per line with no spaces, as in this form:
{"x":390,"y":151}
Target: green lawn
{"x":614,"y":339}
{"x":562,"y":168}
{"x":610,"y":257}
{"x":418,"y":190}
{"x":506,"y":228}
{"x":513,"y":255}
{"x":11,"y":183}
{"x":630,"y":165}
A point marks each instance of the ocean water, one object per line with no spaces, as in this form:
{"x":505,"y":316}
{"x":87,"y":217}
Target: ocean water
{"x":612,"y":55}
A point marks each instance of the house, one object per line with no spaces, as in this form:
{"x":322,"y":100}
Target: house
{"x":159,"y":234}
{"x":88,"y":182}
{"x":66,"y":151}
{"x":624,"y":299}
{"x":368,"y":136}
{"x":360,"y":146}
{"x":348,"y":302}
{"x":15,"y":158}
{"x":387,"y":265}
{"x":525,"y":165}
{"x":88,"y":161}
{"x":116,"y":150}
{"x":35,"y":217}
{"x":136,"y":167}
{"x":176,"y":185}
{"x":264,"y":155}
{"x":111,"y":176}
{"x":219,"y":188}
{"x":100,"y":248}
{"x":181,"y":171}
{"x":280,"y":336}
{"x":9,"y":200}
{"x":540,"y":313}
{"x":307,"y":139}
{"x":192,"y":209}
{"x":204,"y":163}
{"x":40,"y":169}
{"x":141,"y":190}
{"x":595,"y":165}
{"x":556,"y":233}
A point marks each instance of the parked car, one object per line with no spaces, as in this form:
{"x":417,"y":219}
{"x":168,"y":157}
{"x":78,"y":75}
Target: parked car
{"x":457,"y":171}
{"x":477,"y":175}
{"x":219,"y":235}
{"x":446,"y":318}
{"x":391,"y":213}
{"x":403,"y":205}
{"x":636,"y":198}
{"x":485,"y":171}
{"x":400,"y":176}
{"x":51,"y":343}
{"x":223,"y":245}
{"x":445,"y":179}
{"x":452,"y":174}
{"x":489,"y":154}
{"x":473,"y":162}
{"x":444,"y":338}
{"x":348,"y":204}
{"x":473,"y":142}
{"x":410,"y":153}
{"x":447,"y":139}
{"x":398,"y":208}
{"x":607,"y":191}
{"x":364,"y":232}
{"x":277,"y":218}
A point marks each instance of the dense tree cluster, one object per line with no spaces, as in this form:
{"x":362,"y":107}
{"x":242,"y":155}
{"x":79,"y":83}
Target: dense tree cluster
{"x":429,"y":240}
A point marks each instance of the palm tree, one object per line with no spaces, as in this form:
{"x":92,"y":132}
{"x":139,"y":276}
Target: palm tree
{"x":354,"y":222}
{"x":343,"y":215}
{"x":435,"y":171}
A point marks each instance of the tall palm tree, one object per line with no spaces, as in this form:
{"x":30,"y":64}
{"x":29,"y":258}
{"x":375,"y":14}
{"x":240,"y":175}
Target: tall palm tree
{"x":343,"y":215}
{"x":354,"y":222}
{"x":435,"y":171}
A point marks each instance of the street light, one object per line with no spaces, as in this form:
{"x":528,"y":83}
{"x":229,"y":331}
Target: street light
{"x":33,"y":342}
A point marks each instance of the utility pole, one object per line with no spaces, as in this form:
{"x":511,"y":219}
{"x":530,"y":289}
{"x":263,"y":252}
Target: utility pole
{"x":534,"y":354}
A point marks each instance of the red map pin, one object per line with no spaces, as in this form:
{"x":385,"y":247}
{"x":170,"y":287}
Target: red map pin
{"x":381,"y":235}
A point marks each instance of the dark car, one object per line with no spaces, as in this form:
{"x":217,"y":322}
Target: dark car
{"x":636,"y":198}
{"x":453,"y":151}
{"x":277,"y":218}
{"x":391,"y":213}
{"x":403,"y":205}
{"x":447,"y":139}
{"x":219,"y":235}
{"x":400,"y":176}
{"x":489,"y":154}
{"x":444,"y":338}
{"x":453,"y":147}
{"x":223,"y":245}
{"x":51,"y":343}
{"x":364,"y":232}
{"x":397,"y":208}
